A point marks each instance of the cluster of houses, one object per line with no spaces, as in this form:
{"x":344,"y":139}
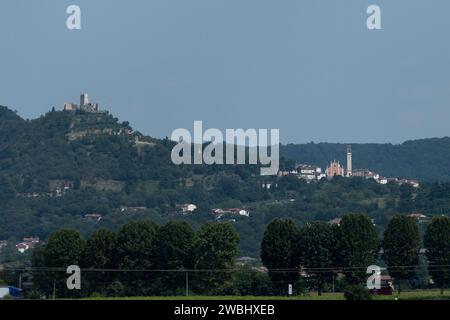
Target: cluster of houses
{"x":26,"y":244}
{"x":94,"y":217}
{"x":219,"y":213}
{"x":314,"y":173}
{"x":57,"y":191}
{"x":184,"y":209}
{"x":189,"y":208}
{"x":305,"y":171}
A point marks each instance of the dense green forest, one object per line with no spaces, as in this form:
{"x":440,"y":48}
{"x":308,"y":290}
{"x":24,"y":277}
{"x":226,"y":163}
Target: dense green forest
{"x":58,"y":168}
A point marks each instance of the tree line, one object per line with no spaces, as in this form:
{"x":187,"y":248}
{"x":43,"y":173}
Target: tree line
{"x":141,"y":259}
{"x":146,"y":259}
{"x":319,"y":252}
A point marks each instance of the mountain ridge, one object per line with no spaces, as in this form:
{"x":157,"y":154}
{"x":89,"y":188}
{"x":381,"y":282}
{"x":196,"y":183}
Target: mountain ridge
{"x":425,"y":159}
{"x":65,"y":167}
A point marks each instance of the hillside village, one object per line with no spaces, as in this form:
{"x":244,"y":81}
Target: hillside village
{"x":311,"y":172}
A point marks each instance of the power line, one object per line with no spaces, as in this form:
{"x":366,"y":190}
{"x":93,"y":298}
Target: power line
{"x":301,"y":269}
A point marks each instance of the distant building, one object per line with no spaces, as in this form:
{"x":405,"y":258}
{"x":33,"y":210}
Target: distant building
{"x":417,"y":216}
{"x":28,"y":243}
{"x":85,"y":105}
{"x":241,"y":212}
{"x":335,"y":169}
{"x":309,"y":172}
{"x":188,"y":208}
{"x":84,"y":100}
{"x":95,"y":217}
{"x":217,"y":211}
{"x":22,"y":247}
{"x":365,"y":173}
{"x":31,"y":241}
{"x":412,"y":183}
{"x":349,"y":161}
{"x":335,"y":221}
{"x":283,"y":173}
{"x":386,"y":286}
{"x":132,"y":209}
{"x":69,"y":106}
{"x":235,"y":211}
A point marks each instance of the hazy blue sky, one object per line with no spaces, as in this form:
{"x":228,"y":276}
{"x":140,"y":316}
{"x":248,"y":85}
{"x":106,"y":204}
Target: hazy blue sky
{"x":310,"y":68}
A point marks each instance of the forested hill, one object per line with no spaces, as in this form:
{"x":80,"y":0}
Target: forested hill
{"x":68,"y":145}
{"x":71,"y":145}
{"x":64,"y":169}
{"x":425,"y":159}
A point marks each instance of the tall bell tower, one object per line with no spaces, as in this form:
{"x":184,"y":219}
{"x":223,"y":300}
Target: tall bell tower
{"x":349,"y":161}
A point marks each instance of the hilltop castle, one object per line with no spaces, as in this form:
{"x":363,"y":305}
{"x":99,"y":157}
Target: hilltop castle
{"x":85,"y":105}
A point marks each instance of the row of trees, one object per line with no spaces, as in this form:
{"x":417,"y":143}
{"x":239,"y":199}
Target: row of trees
{"x":142,"y":258}
{"x":319,"y":251}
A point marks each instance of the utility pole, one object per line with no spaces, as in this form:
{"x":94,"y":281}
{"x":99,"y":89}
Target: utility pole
{"x":333,"y":282}
{"x":54,"y":289}
{"x":20,"y":281}
{"x":187,"y":284}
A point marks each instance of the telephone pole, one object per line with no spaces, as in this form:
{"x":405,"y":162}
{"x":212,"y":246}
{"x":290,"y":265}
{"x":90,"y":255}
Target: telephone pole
{"x":187,"y":284}
{"x":54,"y":289}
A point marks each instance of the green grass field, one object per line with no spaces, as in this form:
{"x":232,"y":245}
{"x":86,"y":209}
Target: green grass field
{"x":407,"y":295}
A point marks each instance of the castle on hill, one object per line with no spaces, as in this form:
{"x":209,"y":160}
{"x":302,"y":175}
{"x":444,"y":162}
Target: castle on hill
{"x":85,"y":105}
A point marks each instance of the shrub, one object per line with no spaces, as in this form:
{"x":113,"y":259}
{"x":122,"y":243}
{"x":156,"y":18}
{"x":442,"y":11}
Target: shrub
{"x":357,"y":292}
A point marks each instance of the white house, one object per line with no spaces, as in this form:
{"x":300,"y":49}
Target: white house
{"x":241,"y":212}
{"x":22,"y":247}
{"x":188,"y":208}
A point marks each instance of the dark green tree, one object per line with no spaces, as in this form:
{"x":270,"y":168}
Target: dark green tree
{"x":137,"y":254}
{"x":98,"y":258}
{"x":401,"y":245}
{"x":437,"y":243}
{"x":216,"y":247}
{"x":63,"y":249}
{"x":356,"y":246}
{"x":315,"y":249}
{"x":249,"y":282}
{"x":279,"y":253}
{"x":175,"y":249}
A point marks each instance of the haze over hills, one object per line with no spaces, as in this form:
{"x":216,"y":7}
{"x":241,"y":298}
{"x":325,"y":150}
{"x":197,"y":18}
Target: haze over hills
{"x":86,"y":170}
